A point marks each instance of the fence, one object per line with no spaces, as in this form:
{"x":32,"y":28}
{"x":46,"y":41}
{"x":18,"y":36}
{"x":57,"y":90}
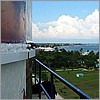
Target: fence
{"x":71,"y":86}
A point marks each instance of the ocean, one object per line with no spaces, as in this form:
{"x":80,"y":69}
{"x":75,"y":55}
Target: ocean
{"x":90,"y":47}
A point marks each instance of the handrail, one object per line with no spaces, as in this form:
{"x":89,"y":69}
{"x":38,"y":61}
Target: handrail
{"x":46,"y":93}
{"x":75,"y":89}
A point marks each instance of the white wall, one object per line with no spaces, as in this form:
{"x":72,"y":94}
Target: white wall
{"x":13,"y":80}
{"x":13,"y":74}
{"x":13,"y":62}
{"x":29,"y":20}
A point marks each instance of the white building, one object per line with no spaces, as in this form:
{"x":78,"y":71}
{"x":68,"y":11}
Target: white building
{"x":15,"y":58}
{"x":85,"y":53}
{"x":46,"y":48}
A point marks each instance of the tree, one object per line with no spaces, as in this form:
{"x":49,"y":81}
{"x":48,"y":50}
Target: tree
{"x":56,"y":49}
{"x":90,"y":59}
{"x":87,"y":50}
{"x":97,"y":55}
{"x":81,"y":50}
{"x":90,"y":63}
{"x":67,"y":59}
{"x":63,"y":50}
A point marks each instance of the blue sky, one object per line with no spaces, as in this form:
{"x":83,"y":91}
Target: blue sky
{"x":44,"y":11}
{"x":56,"y":21}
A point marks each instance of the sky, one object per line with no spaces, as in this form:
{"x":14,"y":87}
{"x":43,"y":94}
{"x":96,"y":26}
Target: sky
{"x":65,"y":21}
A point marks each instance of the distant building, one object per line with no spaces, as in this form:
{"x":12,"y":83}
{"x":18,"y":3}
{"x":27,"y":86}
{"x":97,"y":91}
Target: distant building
{"x":97,"y":65}
{"x":46,"y":48}
{"x":85,"y":53}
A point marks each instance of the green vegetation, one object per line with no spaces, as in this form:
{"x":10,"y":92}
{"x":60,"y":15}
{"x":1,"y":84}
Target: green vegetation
{"x":67,"y":62}
{"x":89,"y":84}
{"x":68,"y":59}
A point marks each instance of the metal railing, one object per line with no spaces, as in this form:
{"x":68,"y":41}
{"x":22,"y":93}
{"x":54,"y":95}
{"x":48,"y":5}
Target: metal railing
{"x":68,"y":84}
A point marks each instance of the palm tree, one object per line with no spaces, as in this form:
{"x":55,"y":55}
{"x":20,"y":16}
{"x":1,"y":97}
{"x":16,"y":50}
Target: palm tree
{"x":81,"y":50}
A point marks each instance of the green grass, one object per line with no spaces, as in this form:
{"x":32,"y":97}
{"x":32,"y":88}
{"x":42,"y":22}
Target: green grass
{"x":89,"y":84}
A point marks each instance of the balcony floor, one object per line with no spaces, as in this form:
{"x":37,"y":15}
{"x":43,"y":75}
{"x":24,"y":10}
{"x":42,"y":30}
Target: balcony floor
{"x":43,"y":96}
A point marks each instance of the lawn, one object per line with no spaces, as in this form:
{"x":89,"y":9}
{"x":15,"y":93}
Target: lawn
{"x":89,"y":84}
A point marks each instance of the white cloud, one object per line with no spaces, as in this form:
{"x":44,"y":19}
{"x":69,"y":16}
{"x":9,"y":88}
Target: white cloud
{"x":67,"y":27}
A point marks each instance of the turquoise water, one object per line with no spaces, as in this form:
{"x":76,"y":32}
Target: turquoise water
{"x":95,"y":48}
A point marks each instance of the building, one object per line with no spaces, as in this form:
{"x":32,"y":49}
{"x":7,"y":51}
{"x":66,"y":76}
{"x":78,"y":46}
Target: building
{"x":15,"y":58}
{"x":46,"y":48}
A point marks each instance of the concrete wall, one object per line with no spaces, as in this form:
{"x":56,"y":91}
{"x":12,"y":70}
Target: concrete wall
{"x":29,"y":20}
{"x":13,"y":80}
{"x":14,"y":56}
{"x":13,"y":74}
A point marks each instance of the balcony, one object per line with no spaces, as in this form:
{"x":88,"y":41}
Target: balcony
{"x":51,"y":95}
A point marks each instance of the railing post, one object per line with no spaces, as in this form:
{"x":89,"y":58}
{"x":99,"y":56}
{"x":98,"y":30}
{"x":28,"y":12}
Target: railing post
{"x":81,"y":97}
{"x":39,"y":81}
{"x":35,"y":71}
{"x":52,"y":88}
